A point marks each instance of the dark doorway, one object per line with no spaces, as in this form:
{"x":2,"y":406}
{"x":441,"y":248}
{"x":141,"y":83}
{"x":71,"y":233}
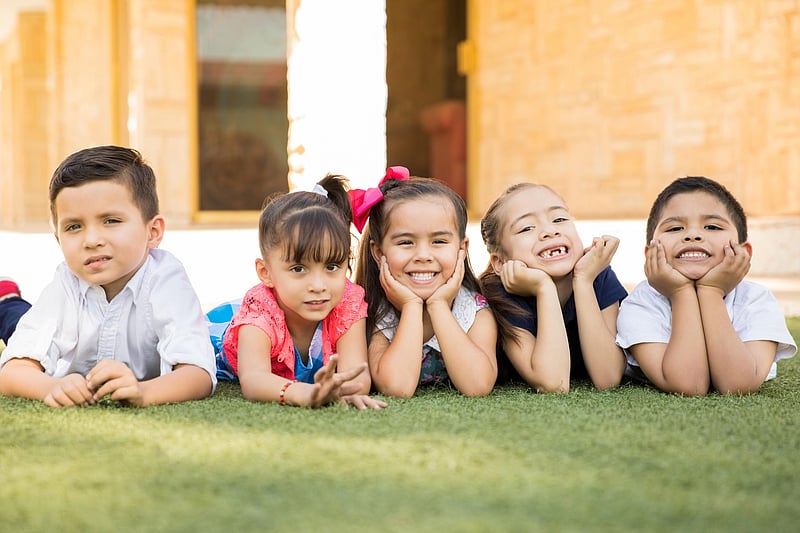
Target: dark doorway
{"x":426,"y":92}
{"x":242,"y":102}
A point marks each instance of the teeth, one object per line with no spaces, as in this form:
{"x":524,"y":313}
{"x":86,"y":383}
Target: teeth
{"x":426,"y":276}
{"x":693,"y":255}
{"x":561,"y":250}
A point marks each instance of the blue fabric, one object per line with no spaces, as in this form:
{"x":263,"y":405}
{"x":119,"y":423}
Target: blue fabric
{"x":218,"y":320}
{"x":11,"y":310}
{"x":607,"y":289}
{"x":305,"y":372}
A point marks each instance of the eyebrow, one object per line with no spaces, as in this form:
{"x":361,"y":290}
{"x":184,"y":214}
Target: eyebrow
{"x":440,"y":233}
{"x":704,"y":217}
{"x":531,"y":213}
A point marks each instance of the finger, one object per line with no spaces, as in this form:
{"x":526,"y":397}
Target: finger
{"x":327,"y":370}
{"x":374,"y":403}
{"x":60,"y":398}
{"x":357,"y":401}
{"x":350,"y":373}
{"x":50,"y":401}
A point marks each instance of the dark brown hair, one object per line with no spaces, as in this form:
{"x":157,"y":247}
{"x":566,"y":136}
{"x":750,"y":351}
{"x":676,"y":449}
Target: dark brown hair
{"x":125,"y":165}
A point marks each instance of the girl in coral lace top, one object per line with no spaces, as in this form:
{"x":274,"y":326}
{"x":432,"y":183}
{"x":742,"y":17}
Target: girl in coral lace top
{"x":299,"y":337}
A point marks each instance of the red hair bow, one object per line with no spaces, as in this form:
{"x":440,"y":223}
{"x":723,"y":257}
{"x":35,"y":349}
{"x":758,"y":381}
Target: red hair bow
{"x":362,"y":200}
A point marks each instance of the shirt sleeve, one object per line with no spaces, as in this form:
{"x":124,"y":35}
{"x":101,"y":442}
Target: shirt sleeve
{"x":49,"y":328}
{"x":608,"y":288}
{"x":757,"y":316}
{"x":644,"y":316}
{"x":178,"y":320}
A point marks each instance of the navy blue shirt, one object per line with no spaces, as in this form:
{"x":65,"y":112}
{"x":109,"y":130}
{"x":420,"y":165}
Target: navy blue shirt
{"x":11,"y":310}
{"x":607,"y":289}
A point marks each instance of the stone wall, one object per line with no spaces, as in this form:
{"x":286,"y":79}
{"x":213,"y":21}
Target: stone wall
{"x":609,"y":101}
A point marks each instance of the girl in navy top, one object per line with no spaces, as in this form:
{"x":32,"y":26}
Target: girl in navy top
{"x":555,"y":302}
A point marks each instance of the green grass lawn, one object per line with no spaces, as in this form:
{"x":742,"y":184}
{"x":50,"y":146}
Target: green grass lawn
{"x":628,"y":459}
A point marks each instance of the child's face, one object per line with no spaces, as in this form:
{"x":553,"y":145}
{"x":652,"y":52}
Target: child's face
{"x":537,"y":229}
{"x":306,"y":291}
{"x":694,"y":228}
{"x":102,"y":235}
{"x":421,"y":244}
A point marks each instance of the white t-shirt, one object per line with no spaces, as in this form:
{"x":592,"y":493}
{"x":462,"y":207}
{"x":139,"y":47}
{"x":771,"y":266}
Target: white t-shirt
{"x":153,"y":324}
{"x":646,"y":316}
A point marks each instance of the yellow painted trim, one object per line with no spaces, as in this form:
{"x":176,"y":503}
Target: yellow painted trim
{"x":193,"y":179}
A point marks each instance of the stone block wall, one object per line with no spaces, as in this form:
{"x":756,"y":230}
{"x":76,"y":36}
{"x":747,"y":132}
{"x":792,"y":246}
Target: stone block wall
{"x":609,"y":101}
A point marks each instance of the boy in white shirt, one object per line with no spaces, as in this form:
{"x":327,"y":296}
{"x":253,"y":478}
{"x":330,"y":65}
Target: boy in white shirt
{"x":696,"y":324}
{"x":120,"y":319}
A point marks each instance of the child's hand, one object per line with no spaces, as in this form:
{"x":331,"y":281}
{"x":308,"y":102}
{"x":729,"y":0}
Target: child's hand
{"x":363,"y":401}
{"x":660,"y":274}
{"x":329,"y":385}
{"x":596,"y":258}
{"x":521,"y":280}
{"x":69,"y":391}
{"x":397,"y":293}
{"x":730,"y":271}
{"x":116,"y":380}
{"x":447,"y":292}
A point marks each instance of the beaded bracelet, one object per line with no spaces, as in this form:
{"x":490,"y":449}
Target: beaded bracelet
{"x":283,"y":390}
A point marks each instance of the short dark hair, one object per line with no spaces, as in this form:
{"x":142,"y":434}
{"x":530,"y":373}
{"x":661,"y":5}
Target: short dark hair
{"x":702,"y":184}
{"x":309,"y":225}
{"x":125,"y":165}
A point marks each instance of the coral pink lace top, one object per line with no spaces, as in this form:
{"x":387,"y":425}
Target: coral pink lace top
{"x":260,"y":308}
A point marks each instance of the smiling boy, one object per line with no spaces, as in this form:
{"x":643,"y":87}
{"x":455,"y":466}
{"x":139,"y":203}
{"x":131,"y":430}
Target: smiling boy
{"x":696,"y":324}
{"x":120,"y":319}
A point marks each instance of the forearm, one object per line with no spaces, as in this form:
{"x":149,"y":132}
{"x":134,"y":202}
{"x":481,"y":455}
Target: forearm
{"x":549,"y":364}
{"x":396,"y":371}
{"x":684,"y":366}
{"x":25,"y":378}
{"x":732,"y":366}
{"x":604,"y":360}
{"x":472,"y":370}
{"x":185,"y":382}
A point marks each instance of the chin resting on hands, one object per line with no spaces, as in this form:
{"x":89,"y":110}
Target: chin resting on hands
{"x":521,"y":280}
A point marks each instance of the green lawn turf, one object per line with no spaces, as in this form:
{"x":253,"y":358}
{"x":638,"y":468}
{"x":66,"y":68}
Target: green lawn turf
{"x":628,"y":459}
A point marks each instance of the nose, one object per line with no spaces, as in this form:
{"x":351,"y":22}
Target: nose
{"x":548,"y":232}
{"x":423,"y":254}
{"x":692,"y":234}
{"x":92,"y":236}
{"x":316,"y":282}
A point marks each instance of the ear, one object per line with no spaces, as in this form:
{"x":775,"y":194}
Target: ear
{"x":263,"y":273}
{"x":376,"y":252}
{"x":155,"y":231}
{"x":749,"y":247}
{"x":497,"y":263}
{"x":465,"y":245}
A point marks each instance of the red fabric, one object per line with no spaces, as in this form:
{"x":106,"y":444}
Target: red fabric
{"x":362,"y":200}
{"x":8,"y":287}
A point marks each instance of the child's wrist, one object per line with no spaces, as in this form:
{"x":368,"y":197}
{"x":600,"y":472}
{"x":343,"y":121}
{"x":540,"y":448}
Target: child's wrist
{"x":282,"y":394}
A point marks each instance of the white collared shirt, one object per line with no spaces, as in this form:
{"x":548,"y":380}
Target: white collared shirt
{"x":153,"y":324}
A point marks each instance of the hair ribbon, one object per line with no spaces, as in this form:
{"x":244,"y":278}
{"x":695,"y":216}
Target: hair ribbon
{"x":362,"y":200}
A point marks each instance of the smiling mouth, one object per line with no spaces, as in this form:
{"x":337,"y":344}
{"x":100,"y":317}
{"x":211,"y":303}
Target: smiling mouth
{"x":554,"y":252}
{"x":694,"y":255}
{"x":422,"y":276}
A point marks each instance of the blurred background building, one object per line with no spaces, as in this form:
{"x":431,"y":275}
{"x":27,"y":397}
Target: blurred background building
{"x":230,"y":100}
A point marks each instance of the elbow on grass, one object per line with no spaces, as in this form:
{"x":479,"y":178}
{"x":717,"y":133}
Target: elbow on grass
{"x":397,"y":391}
